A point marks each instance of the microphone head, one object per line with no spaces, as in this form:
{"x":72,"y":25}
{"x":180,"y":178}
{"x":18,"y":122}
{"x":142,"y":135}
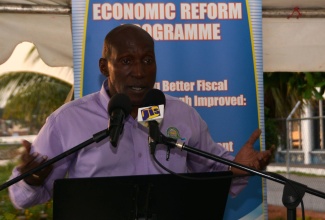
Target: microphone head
{"x":120,"y":101}
{"x":154,"y":97}
{"x":153,"y":107}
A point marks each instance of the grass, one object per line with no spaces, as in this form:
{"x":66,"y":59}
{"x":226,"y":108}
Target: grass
{"x":9,"y":212}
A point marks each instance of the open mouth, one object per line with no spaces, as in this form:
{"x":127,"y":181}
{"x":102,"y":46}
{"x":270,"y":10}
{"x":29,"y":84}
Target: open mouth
{"x":138,"y":89}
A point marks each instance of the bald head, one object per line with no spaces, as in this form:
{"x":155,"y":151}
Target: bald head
{"x":123,"y":33}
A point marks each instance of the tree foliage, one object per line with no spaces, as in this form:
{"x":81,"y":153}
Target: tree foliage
{"x":32,"y":98}
{"x":282,"y":90}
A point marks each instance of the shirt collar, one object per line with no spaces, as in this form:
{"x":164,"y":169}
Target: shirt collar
{"x":103,"y":95}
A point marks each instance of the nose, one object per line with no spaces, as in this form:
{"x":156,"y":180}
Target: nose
{"x":138,"y":70}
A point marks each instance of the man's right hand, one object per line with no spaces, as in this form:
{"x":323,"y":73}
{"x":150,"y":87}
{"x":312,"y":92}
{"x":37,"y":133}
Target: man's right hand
{"x":30,"y":161}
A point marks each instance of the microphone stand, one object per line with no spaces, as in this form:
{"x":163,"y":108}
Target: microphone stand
{"x":293,"y":192}
{"x":99,"y":136}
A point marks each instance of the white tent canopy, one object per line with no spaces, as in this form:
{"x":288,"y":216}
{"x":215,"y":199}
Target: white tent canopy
{"x":294,"y":44}
{"x":47,"y":27}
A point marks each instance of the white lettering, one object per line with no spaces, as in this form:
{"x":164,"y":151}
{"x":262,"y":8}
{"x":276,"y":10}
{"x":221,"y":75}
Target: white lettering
{"x":179,"y":86}
{"x":131,"y":11}
{"x":201,"y":11}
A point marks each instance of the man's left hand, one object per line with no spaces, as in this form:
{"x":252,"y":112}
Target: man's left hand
{"x":249,"y":157}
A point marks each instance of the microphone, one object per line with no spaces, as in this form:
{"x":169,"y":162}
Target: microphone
{"x":152,"y":114}
{"x":119,"y":107}
{"x":153,"y":107}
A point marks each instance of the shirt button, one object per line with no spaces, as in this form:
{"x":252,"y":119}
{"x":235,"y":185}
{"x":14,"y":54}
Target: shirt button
{"x":139,"y":154}
{"x":134,"y":126}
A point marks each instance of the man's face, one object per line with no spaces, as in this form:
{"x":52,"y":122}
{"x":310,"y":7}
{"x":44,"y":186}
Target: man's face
{"x":131,"y":66}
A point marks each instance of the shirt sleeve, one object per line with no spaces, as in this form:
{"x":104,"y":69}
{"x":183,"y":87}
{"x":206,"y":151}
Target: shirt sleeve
{"x":23,"y":195}
{"x":48,"y":142}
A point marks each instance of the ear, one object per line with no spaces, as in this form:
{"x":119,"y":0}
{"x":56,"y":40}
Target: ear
{"x":103,"y":66}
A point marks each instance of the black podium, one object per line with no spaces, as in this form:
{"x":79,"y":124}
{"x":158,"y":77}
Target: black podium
{"x":154,"y":197}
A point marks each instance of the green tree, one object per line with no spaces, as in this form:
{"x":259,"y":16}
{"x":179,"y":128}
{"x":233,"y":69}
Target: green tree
{"x":282,"y":91}
{"x":32,"y":97}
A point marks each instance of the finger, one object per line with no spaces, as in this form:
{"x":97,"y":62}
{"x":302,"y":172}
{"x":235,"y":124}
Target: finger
{"x":267,"y":154}
{"x":34,"y":180}
{"x":255,"y":135}
{"x":26,"y":160}
{"x":38,"y":160}
{"x":27,"y":145}
{"x":39,"y":177}
{"x":272,"y":149}
{"x":31,"y":162}
{"x":265,"y":158}
{"x":43,"y":174}
{"x":254,"y":163}
{"x":42,"y":161}
{"x":36,"y":176}
{"x":257,"y":165}
{"x":29,"y":158}
{"x":26,"y":157}
{"x":263,"y":163}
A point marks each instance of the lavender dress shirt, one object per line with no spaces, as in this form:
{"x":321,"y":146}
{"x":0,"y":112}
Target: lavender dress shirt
{"x":79,"y":120}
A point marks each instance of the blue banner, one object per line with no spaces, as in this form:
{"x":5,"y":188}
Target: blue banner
{"x":209,"y":54}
